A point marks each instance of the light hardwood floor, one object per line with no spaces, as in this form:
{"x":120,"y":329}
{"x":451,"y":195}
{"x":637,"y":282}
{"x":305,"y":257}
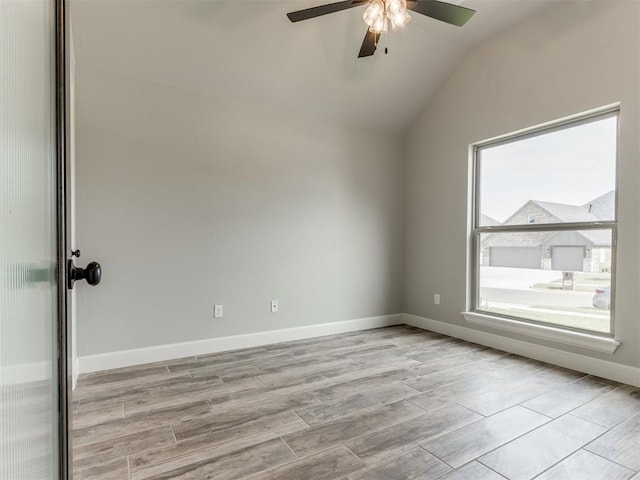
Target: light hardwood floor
{"x":389,"y":404}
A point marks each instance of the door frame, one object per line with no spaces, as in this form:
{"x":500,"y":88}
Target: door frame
{"x":65,"y":469}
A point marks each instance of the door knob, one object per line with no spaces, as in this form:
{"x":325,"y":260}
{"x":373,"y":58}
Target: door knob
{"x":92,"y":273}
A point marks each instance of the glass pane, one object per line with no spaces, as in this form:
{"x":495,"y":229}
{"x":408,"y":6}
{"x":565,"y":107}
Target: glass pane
{"x":28,"y":401}
{"x":557,"y":277}
{"x":560,"y":176}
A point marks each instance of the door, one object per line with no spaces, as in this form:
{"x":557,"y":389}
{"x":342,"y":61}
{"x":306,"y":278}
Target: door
{"x":515,"y":257}
{"x":567,"y":259}
{"x":33,"y":402}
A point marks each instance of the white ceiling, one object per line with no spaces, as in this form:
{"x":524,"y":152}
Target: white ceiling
{"x":249,"y":50}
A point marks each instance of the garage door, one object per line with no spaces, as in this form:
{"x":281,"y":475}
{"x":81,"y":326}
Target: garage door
{"x":515,"y":257}
{"x":567,"y":258}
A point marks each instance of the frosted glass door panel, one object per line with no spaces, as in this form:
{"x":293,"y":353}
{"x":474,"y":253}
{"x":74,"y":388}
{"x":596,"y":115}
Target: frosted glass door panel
{"x":28,"y":392}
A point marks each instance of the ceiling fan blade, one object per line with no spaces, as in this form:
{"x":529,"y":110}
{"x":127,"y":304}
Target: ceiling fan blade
{"x":313,"y":12}
{"x":445,"y":12}
{"x":369,"y":44}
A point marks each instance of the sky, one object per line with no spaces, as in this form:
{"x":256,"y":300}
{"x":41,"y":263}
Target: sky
{"x":573,"y":165}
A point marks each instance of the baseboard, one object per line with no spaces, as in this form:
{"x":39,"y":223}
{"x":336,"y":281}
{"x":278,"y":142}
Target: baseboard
{"x":126,"y":358}
{"x":75,"y":373}
{"x":594,"y":366}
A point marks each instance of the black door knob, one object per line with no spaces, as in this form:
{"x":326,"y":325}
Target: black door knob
{"x":92,"y":273}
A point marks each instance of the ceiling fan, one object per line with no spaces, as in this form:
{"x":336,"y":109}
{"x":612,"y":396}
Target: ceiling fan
{"x":380,"y":13}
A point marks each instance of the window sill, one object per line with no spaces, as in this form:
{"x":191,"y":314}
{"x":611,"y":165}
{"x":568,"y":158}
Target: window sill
{"x":567,"y":337}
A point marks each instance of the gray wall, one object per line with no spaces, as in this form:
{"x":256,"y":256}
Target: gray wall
{"x":190,"y":201}
{"x":574,"y":57}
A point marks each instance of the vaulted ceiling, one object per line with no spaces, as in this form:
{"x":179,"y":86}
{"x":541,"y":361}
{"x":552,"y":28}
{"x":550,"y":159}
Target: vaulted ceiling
{"x":249,"y":50}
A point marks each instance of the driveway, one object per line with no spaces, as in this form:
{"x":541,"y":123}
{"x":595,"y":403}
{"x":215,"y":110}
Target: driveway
{"x":514,"y":285}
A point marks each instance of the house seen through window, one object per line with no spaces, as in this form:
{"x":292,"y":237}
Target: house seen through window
{"x":545,"y":224}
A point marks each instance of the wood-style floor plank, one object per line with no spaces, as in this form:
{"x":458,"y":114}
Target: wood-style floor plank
{"x":395,"y":403}
{"x":415,"y":464}
{"x":159,"y":461}
{"x":584,"y":465}
{"x":517,"y":392}
{"x":95,"y":417}
{"x":323,"y":436}
{"x":467,"y":443}
{"x":384,"y":443}
{"x":327,"y":465}
{"x":612,"y":408}
{"x":472,"y":471}
{"x":115,"y":469}
{"x":535,"y":452}
{"x":565,"y":398}
{"x":108,"y":450}
{"x":620,"y":445}
{"x":230,"y":466}
{"x":118,"y":428}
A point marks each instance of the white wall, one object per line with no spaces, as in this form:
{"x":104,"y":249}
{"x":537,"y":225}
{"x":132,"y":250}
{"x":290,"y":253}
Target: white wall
{"x":189,"y":201}
{"x":569,"y":59}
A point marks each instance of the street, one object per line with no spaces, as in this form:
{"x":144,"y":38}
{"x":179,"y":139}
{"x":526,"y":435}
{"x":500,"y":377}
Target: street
{"x":514,"y":286}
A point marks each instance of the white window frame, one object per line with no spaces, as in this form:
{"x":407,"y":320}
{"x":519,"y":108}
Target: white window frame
{"x":603,"y":342}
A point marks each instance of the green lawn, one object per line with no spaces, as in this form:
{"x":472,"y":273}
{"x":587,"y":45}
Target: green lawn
{"x":584,"y":282}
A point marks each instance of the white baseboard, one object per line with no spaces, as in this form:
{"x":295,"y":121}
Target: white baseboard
{"x":594,"y":366}
{"x":125,"y":358}
{"x":75,"y":373}
{"x":138,"y":356}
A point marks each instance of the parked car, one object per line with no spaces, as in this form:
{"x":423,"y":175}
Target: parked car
{"x":602,"y":298}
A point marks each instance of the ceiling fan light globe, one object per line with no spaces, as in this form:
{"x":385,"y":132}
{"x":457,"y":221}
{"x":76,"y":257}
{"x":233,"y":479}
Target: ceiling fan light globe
{"x":373,"y":11}
{"x":377,"y":7}
{"x":394,"y":7}
{"x":400,"y":20}
{"x":380,"y":25}
{"x":368,"y":17}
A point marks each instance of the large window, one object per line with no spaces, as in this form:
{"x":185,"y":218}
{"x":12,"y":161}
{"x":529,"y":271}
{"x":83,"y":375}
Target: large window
{"x":544,"y":224}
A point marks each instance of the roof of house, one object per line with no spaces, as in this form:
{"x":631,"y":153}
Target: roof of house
{"x":567,"y":213}
{"x":600,"y":208}
{"x":487,"y":221}
{"x":603,"y":207}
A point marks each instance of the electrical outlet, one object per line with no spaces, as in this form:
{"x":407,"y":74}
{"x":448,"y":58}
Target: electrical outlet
{"x":436,"y":299}
{"x":217,"y":311}
{"x":274,"y":306}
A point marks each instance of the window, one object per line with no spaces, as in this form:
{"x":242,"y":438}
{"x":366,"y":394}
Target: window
{"x":544,"y":225}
